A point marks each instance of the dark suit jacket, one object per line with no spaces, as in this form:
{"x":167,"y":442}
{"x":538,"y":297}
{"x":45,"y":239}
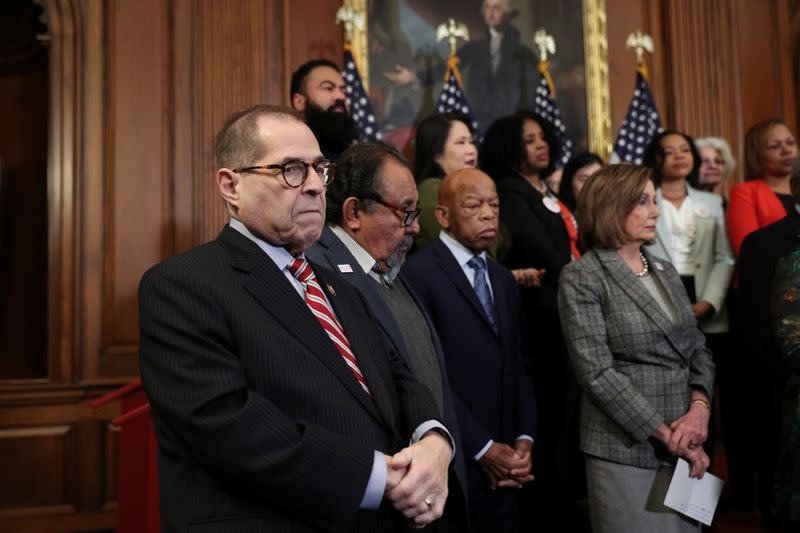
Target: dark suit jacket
{"x":496,"y":399}
{"x":539,"y":239}
{"x":760,"y":253}
{"x":330,"y":251}
{"x":496,"y":94}
{"x":260,"y":424}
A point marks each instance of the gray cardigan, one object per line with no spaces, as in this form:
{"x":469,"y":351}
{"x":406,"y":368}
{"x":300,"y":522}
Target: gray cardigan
{"x":635,"y":367}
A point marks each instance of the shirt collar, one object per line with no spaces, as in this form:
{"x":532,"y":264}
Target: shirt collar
{"x":459,"y":251}
{"x":364,"y":260}
{"x":279,"y":255}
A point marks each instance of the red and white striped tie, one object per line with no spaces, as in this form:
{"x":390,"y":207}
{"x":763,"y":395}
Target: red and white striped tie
{"x":315,"y":299}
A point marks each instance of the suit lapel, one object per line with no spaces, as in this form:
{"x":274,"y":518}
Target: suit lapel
{"x":337,"y":254}
{"x":268,"y":285}
{"x":680,"y":301}
{"x":636,"y":291}
{"x":455,"y":274}
{"x":366,"y":362}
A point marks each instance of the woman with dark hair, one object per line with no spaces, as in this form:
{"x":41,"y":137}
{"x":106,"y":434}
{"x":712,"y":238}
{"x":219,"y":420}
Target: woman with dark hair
{"x":576,"y":172}
{"x":646,"y":374}
{"x":443,"y":144}
{"x":691,"y":235}
{"x":691,"y":230}
{"x":519,"y":152}
{"x":764,"y":198}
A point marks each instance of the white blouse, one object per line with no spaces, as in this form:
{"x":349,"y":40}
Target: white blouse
{"x":680,"y":222}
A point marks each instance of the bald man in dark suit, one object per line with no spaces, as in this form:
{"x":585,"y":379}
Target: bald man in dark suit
{"x":276,"y":403}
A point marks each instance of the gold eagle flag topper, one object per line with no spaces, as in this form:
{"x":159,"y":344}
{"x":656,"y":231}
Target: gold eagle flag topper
{"x":545,"y":43}
{"x":351,"y":19}
{"x":640,"y":42}
{"x":452,"y":31}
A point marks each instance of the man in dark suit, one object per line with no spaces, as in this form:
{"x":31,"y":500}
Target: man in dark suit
{"x":763,"y":368}
{"x":277,"y":405}
{"x":474,"y":305}
{"x":372,"y":217}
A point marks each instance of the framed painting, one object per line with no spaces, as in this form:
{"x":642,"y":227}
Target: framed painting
{"x":402,"y":65}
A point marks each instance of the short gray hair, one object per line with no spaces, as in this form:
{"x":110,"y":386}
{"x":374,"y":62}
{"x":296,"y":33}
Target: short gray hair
{"x":720,"y":145}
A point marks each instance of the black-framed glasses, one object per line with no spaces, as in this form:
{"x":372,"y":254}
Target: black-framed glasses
{"x":407,"y":216}
{"x":295,"y":172}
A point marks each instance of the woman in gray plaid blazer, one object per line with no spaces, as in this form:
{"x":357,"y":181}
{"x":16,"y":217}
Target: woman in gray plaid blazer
{"x":639,"y":358}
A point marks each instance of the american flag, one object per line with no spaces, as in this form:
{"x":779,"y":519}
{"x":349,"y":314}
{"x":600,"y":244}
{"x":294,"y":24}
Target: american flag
{"x":360,"y":106}
{"x":452,"y":99}
{"x":640,"y":125}
{"x":545,"y":105}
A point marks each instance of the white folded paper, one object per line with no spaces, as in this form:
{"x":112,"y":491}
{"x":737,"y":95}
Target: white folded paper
{"x":696,"y":498}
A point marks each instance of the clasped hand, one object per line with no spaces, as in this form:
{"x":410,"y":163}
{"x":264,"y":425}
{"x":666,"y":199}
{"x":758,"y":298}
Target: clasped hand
{"x":416,"y":482}
{"x":506,"y":466}
{"x":685,"y":438}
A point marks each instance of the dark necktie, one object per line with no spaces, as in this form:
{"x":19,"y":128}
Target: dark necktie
{"x":316,"y":301}
{"x":482,"y":288}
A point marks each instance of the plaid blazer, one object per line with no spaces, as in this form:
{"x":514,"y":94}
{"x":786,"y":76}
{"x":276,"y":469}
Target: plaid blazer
{"x":636,"y":368}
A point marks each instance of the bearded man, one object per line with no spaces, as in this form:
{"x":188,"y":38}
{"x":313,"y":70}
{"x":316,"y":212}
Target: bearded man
{"x":318,"y":92}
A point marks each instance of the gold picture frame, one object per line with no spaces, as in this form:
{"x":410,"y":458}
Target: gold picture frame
{"x":595,"y":48}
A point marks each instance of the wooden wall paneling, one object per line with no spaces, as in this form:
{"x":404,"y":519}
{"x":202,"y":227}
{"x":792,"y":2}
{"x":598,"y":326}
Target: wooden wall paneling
{"x":703,"y":69}
{"x":623,"y":17}
{"x":789,"y":91}
{"x":760,"y":49}
{"x":311,"y":32}
{"x":35,"y":481}
{"x":182,"y":102}
{"x":54,"y":477}
{"x":64,"y":69}
{"x":275,"y":85}
{"x":137,"y":195}
{"x":110,"y":464}
{"x":92,"y":198}
{"x":659,"y":62}
{"x":229,"y":67}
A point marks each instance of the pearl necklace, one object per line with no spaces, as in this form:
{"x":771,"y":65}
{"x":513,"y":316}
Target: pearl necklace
{"x":645,"y":267}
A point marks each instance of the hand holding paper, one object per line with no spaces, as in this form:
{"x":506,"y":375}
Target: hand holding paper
{"x":695,"y":498}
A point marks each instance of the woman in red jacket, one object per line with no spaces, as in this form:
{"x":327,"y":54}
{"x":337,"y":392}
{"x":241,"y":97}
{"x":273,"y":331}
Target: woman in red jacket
{"x":770,"y":152}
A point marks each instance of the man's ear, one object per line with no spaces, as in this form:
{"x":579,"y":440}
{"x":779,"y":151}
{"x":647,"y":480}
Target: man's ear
{"x":443,"y":216}
{"x":298,"y":102}
{"x":351,"y":218}
{"x":228,"y":184}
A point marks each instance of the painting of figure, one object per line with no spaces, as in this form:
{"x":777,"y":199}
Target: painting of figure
{"x":498,"y":64}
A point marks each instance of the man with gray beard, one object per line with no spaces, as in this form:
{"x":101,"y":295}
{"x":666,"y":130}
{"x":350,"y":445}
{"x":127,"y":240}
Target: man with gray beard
{"x":372,"y":217}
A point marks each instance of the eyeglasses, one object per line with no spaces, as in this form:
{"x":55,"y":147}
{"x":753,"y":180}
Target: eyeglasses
{"x":295,"y":172}
{"x":407,"y":216}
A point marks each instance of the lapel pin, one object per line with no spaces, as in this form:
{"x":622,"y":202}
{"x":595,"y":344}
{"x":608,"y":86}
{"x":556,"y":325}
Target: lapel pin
{"x":330,"y":290}
{"x":345,"y":268}
{"x":659,"y":267}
